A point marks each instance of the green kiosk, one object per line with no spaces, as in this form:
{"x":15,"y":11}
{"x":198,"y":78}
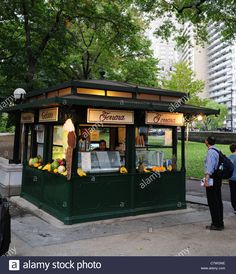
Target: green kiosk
{"x":99,"y":149}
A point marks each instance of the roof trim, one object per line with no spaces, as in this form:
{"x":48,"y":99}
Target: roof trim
{"x":107,"y":85}
{"x":105,"y":102}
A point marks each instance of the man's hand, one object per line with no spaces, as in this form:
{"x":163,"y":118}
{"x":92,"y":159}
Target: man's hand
{"x":207,"y":177}
{"x":206,"y":182}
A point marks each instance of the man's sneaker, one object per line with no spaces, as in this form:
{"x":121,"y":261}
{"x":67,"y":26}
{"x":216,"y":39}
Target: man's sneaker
{"x":213,"y":227}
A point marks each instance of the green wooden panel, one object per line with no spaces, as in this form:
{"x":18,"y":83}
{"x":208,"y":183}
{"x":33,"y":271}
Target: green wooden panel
{"x":102,"y":196}
{"x":152,"y":190}
{"x":99,"y":193}
{"x":32,"y":183}
{"x":56,"y":192}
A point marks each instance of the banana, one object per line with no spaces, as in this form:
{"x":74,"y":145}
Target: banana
{"x":80,"y":172}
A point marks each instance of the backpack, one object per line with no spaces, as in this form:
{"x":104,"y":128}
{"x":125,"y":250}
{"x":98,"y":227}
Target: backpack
{"x":5,"y":226}
{"x":225,"y":167}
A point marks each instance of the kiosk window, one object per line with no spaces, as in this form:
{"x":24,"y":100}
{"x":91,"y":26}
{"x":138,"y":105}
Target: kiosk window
{"x":155,"y":147}
{"x":59,"y":143}
{"x":40,"y":129}
{"x":101,"y":149}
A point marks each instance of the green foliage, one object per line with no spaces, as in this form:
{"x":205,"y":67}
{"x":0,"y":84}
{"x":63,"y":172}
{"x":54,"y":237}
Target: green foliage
{"x":182,"y":79}
{"x":196,"y":12}
{"x":213,"y":122}
{"x":5,"y":125}
{"x":46,"y":42}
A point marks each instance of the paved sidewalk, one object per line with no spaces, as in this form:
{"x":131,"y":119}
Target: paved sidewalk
{"x":168,"y":233}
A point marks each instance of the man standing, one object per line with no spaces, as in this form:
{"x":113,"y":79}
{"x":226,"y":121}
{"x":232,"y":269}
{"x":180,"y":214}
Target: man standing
{"x":232,"y":180}
{"x":213,"y":192}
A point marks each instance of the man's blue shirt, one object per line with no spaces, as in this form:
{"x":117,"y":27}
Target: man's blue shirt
{"x":211,"y":160}
{"x":233,"y":160}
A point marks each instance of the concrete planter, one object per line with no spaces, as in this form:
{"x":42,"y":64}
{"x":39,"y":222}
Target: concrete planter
{"x":10,"y":178}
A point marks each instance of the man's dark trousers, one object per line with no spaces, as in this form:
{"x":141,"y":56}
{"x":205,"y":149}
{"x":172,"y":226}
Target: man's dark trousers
{"x":215,"y":202}
{"x":232,"y":185}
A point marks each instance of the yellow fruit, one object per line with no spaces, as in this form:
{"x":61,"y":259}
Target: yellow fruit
{"x":80,"y":172}
{"x":47,"y":167}
{"x":36,"y":164}
{"x":146,"y":170}
{"x":40,"y":167}
{"x":55,"y":170}
{"x":169,"y":167}
{"x":162,"y":169}
{"x":123,"y":170}
{"x":64,"y":173}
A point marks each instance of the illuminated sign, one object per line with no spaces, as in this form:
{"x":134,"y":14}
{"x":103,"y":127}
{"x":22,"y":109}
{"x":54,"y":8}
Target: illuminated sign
{"x":107,"y":116}
{"x":48,"y":115}
{"x":164,"y":118}
{"x":27,"y":117}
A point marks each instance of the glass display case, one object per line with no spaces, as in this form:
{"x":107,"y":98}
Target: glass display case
{"x":99,"y":161}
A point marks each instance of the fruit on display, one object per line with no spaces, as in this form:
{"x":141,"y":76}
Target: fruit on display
{"x":35,"y":161}
{"x":158,"y":169}
{"x":80,"y":172}
{"x":57,"y":166}
{"x":123,"y":170}
{"x":169,"y":168}
{"x":47,"y":167}
{"x":162,"y":169}
{"x":146,"y":170}
{"x":37,"y":164}
{"x":64,"y":173}
{"x":54,"y":165}
{"x":61,"y":169}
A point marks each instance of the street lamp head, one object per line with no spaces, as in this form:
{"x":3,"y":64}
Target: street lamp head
{"x":19,"y":93}
{"x":199,"y":117}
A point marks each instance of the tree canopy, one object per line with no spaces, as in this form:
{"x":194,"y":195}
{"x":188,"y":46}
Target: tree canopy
{"x":200,"y":13}
{"x":46,"y":42}
{"x":182,"y":78}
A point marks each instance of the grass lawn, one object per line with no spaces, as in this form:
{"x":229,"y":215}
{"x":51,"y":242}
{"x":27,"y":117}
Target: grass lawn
{"x":195,"y":155}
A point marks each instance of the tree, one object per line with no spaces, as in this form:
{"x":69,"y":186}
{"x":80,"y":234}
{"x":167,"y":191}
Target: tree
{"x":46,"y":42}
{"x":183,"y":79}
{"x":213,"y":122}
{"x":123,"y":52}
{"x":198,"y":12}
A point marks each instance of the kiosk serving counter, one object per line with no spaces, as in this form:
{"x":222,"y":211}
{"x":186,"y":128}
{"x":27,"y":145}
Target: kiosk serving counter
{"x":98,"y":149}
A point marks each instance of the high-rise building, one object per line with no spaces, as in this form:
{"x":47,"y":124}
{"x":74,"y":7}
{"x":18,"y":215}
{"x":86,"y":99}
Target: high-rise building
{"x":222,"y":72}
{"x":195,"y":56}
{"x":163,"y":50}
{"x":216,"y":65}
